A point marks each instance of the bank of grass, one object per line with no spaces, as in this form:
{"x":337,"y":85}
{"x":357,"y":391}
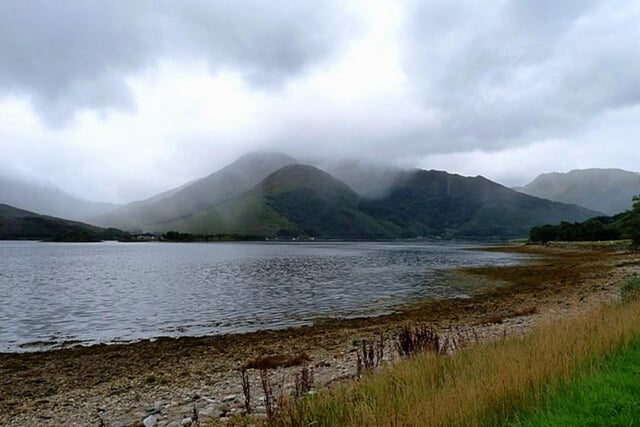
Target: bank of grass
{"x":607,"y":397}
{"x":484,"y":384}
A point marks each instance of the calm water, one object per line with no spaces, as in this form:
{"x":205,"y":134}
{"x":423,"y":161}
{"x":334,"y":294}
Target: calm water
{"x":61,"y":294}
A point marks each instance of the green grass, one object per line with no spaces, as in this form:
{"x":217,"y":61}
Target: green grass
{"x":608,"y":397}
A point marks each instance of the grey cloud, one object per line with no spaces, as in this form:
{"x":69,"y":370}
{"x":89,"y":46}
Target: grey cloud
{"x":70,"y":55}
{"x":507,"y":73}
{"x":487,"y":76}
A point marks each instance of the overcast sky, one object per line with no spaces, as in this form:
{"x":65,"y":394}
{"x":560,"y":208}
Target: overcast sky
{"x":118,"y":100}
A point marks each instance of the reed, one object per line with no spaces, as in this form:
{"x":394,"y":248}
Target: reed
{"x":482,"y":384}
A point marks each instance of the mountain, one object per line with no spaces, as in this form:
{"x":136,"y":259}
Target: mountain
{"x":295,"y":200}
{"x":199,"y":195}
{"x":436,"y":203}
{"x":605,"y":190}
{"x":271,"y":195}
{"x":19,"y":224}
{"x":49,"y":200}
{"x":300,"y":200}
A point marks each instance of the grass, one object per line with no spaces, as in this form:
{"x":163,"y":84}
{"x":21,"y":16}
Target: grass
{"x":609,"y":397}
{"x":484,"y":384}
{"x":631,"y":289}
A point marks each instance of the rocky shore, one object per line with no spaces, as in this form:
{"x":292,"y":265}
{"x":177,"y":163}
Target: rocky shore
{"x":174,"y":382}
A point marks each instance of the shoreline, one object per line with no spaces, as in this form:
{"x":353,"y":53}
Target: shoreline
{"x":124,"y":383}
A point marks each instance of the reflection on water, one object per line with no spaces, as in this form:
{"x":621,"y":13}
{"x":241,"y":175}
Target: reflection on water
{"x":61,"y":294}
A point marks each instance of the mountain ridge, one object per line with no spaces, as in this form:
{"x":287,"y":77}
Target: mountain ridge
{"x":302,"y":200}
{"x":609,"y":191}
{"x":20,"y":224}
{"x":450,"y":205}
{"x":199,"y":194}
{"x":271,"y":195}
{"x":294,"y":200}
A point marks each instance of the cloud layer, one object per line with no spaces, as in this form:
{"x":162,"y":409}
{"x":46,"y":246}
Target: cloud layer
{"x":509,"y":72}
{"x":68,"y":56}
{"x":139,"y":96}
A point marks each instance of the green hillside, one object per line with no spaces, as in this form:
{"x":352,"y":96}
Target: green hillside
{"x":435,"y":203}
{"x":303,"y":201}
{"x":271,"y":195}
{"x":296,"y":200}
{"x":176,"y":205}
{"x":18,"y":224}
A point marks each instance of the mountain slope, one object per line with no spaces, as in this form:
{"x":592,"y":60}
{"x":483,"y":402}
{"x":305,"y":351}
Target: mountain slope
{"x":268,"y":195}
{"x":318,"y":204}
{"x":198,"y":195}
{"x":19,"y":224}
{"x":295,"y":200}
{"x":303,"y":200}
{"x":605,"y":190}
{"x":49,"y":200}
{"x":435,"y":203}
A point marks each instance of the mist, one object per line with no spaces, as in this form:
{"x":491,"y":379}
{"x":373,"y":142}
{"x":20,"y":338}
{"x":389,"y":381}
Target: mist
{"x":118,"y":102}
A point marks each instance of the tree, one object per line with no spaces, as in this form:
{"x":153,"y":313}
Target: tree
{"x":635,"y":221}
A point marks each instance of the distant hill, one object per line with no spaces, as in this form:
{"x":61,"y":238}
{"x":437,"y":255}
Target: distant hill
{"x":604,"y":190}
{"x":19,"y":224}
{"x":436,"y":203}
{"x":199,"y":195}
{"x":49,"y":200}
{"x":296,"y":200}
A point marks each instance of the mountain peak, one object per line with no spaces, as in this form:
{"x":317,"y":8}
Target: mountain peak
{"x":309,"y":180}
{"x":201,"y":194}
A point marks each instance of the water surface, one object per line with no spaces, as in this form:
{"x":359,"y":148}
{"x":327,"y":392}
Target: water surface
{"x":56,"y":294}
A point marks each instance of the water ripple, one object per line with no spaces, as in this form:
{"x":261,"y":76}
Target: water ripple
{"x":57,"y":294}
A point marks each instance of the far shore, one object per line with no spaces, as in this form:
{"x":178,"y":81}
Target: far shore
{"x":121,"y":384}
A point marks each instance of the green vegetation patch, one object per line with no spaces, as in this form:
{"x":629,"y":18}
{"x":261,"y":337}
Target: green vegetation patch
{"x":608,"y":397}
{"x":248,"y":215}
{"x":625,"y":225}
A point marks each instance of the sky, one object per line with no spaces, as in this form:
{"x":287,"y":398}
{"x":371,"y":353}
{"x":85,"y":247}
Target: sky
{"x":118,"y":100}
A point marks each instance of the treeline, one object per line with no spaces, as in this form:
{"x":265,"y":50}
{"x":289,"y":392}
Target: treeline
{"x":622,"y":226}
{"x":81,"y":235}
{"x":40,"y":227}
{"x":175,"y":236}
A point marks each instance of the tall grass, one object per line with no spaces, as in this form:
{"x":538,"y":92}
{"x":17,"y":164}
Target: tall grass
{"x":483,"y":384}
{"x":631,"y":289}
